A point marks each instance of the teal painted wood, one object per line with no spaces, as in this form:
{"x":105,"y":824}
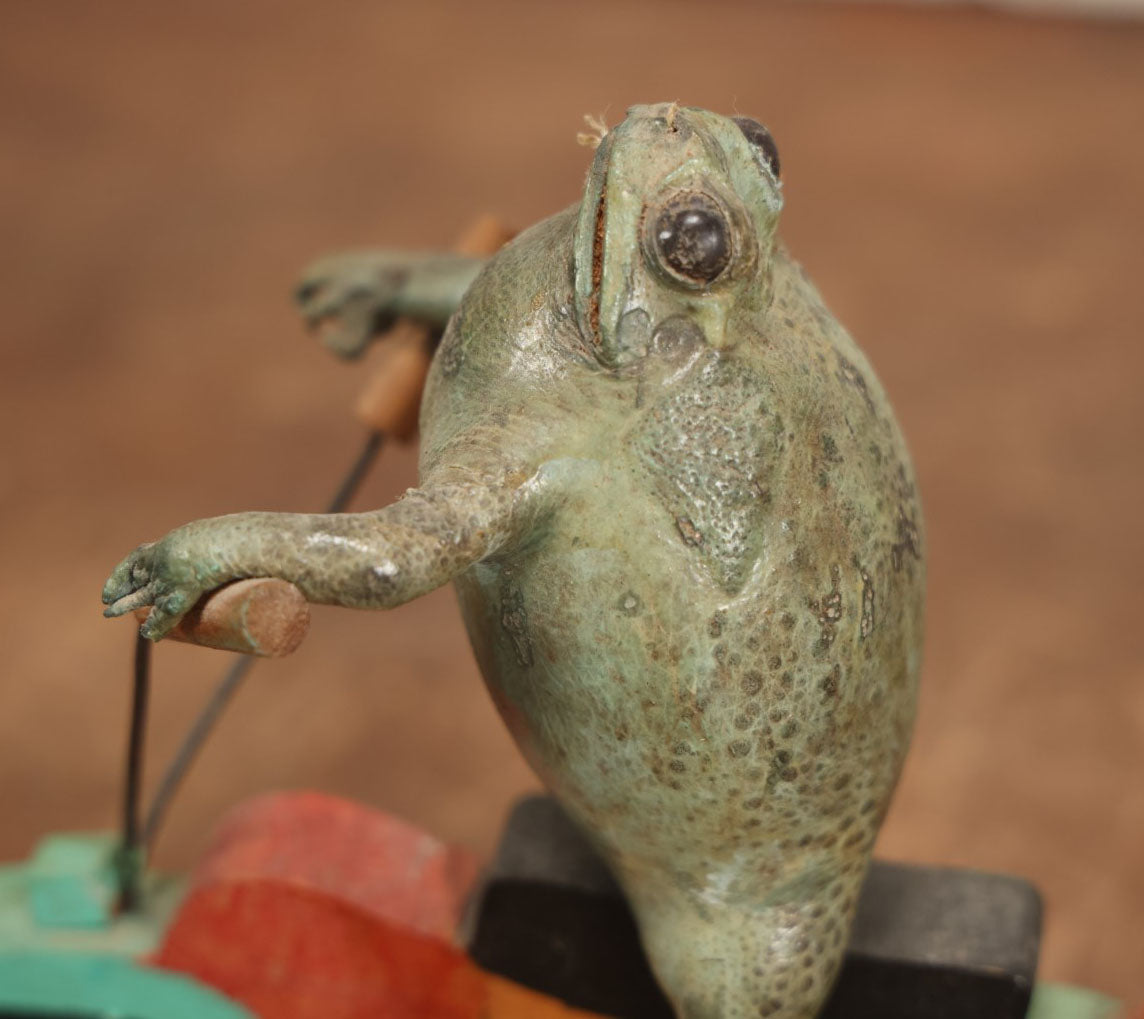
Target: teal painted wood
{"x":104,"y":987}
{"x":1062,"y":1001}
{"x":61,"y":900}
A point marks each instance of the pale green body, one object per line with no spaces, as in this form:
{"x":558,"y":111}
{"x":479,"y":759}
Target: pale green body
{"x":685,"y":535}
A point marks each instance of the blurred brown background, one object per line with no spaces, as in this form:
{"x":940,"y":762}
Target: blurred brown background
{"x":967,"y":189}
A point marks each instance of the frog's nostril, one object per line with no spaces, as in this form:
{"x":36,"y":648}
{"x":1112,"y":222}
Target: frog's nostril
{"x":676,"y":334}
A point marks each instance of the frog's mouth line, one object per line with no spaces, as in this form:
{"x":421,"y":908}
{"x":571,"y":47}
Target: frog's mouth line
{"x":591,"y":235}
{"x":597,"y":266}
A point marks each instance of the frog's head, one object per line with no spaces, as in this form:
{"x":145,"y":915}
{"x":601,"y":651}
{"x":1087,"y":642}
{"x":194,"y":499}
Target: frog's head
{"x":678,"y":220}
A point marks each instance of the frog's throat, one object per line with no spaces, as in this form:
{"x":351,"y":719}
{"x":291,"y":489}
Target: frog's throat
{"x":589,"y":249}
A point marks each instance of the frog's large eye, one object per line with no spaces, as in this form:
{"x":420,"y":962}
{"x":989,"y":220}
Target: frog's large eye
{"x":762,"y":141}
{"x":692,"y":238}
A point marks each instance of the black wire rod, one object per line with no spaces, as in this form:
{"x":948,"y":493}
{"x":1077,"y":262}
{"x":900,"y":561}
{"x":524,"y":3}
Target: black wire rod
{"x":208,"y":716}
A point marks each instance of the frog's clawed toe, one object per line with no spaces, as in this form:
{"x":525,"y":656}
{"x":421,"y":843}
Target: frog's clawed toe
{"x":129,"y":602}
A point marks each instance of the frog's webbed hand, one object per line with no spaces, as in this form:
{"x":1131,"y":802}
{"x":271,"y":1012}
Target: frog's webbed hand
{"x":354,"y":296}
{"x":360,"y":560}
{"x":152,"y":575}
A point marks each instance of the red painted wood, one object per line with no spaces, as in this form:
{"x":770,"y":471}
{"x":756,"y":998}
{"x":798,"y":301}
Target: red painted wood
{"x":310,"y":907}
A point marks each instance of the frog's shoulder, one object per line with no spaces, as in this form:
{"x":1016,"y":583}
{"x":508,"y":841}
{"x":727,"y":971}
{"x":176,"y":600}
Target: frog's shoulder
{"x":533,"y":268}
{"x":519,"y":304}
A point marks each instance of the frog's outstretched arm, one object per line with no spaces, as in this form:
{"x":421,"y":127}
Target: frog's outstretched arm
{"x":359,"y":560}
{"x":355,"y":295}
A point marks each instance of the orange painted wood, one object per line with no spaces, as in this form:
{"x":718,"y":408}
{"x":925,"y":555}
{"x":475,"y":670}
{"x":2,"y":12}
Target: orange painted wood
{"x":506,"y":1000}
{"x":390,"y":402}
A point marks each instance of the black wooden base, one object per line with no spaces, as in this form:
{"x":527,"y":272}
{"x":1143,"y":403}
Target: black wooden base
{"x":928,"y":942}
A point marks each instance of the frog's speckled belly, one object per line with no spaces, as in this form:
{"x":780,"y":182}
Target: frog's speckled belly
{"x":714,"y":739}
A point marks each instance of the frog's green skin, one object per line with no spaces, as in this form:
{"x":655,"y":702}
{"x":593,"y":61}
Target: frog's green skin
{"x":685,"y":534}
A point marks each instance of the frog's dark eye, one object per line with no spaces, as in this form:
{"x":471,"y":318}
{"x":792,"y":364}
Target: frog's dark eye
{"x":761,"y":139}
{"x":693,"y":238}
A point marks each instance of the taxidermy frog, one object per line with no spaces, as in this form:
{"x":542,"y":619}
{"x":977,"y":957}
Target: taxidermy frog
{"x":685,"y":534}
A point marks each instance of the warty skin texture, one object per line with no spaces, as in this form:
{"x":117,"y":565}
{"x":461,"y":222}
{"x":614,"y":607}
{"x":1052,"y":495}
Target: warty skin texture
{"x":686,"y":539}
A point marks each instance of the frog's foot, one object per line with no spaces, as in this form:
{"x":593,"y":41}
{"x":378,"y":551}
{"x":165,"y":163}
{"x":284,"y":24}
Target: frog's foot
{"x":348,"y":299}
{"x":152,"y":576}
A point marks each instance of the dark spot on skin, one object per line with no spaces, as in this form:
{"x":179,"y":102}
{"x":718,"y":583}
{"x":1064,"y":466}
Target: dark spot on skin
{"x":514,"y":621}
{"x":754,"y":803}
{"x":677,"y":766}
{"x":866,"y":626}
{"x":831,"y":682}
{"x":774,"y":663}
{"x":829,"y":608}
{"x":752,"y":683}
{"x":451,"y":354}
{"x":830,"y":449}
{"x":715,"y":626}
{"x":787,"y":621}
{"x":688,"y":531}
{"x":740,"y":748}
{"x":851,"y":376}
{"x":908,"y":540}
{"x":681,"y":748}
{"x":822,"y":645}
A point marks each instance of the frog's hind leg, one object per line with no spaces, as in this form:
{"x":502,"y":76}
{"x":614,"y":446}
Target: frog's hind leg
{"x":717,"y":960}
